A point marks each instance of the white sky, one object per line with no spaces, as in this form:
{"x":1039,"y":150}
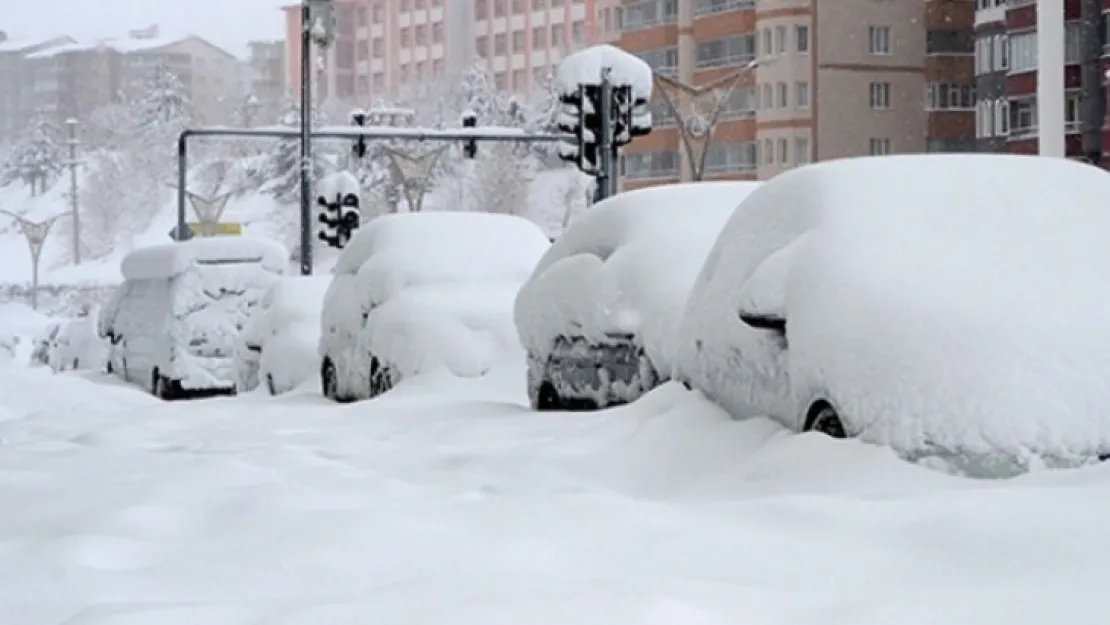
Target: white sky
{"x":227,"y":23}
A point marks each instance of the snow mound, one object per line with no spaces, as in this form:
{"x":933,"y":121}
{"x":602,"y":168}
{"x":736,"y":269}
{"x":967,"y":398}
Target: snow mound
{"x":170,"y":259}
{"x":286,"y":326}
{"x":626,"y":267}
{"x":938,"y":315}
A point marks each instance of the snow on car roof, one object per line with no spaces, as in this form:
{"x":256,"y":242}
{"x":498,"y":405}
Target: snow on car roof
{"x":407,"y":249}
{"x":626,"y":265}
{"x":168,"y":260}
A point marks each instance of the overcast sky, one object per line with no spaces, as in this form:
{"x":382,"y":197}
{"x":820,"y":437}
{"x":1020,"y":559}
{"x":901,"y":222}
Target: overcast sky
{"x":227,"y":23}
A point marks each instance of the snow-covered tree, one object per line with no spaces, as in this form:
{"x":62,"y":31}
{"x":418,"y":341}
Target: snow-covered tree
{"x":282,"y":172}
{"x":115,"y":204}
{"x":110,"y":127}
{"x":161,"y":112}
{"x":37,"y":157}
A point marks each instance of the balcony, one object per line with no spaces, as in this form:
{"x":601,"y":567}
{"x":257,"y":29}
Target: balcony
{"x":712,"y":7}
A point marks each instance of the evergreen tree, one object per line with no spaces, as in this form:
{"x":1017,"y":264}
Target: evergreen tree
{"x":164,"y":109}
{"x":37,"y":157}
{"x":283,"y":171}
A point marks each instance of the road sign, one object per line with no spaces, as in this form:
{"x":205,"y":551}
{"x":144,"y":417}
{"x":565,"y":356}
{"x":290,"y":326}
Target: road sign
{"x":216,"y":229}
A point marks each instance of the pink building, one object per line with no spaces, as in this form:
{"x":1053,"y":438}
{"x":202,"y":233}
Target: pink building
{"x":384,"y":47}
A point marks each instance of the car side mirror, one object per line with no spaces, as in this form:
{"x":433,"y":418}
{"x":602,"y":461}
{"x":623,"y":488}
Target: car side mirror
{"x":772,"y":323}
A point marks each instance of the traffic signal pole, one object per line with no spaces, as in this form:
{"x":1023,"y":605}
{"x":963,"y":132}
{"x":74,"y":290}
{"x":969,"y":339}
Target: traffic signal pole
{"x":606,"y":152}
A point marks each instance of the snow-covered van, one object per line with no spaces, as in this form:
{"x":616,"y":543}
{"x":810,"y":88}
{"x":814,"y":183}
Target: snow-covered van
{"x":174,"y":321}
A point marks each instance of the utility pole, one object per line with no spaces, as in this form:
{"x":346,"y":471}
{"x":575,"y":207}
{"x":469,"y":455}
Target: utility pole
{"x":71,"y":125}
{"x":317,"y":26}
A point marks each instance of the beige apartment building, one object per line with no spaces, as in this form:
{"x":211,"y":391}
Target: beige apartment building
{"x":834,"y":78}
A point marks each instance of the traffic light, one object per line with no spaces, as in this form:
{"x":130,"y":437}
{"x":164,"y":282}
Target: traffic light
{"x":358,"y":118}
{"x":342,"y":209}
{"x":580,"y":116}
{"x":631,"y":116}
{"x":470,"y":147}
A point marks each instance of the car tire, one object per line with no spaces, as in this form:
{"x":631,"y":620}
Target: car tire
{"x":381,"y":378}
{"x":823,"y":418}
{"x":160,"y":386}
{"x":329,"y":382}
{"x":548,"y":398}
{"x":270,"y":384}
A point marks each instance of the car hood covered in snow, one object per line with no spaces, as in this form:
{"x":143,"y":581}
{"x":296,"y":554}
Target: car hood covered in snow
{"x":939,"y":314}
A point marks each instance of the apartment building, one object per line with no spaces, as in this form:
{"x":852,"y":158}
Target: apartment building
{"x":16,"y":81}
{"x":1006,"y":76}
{"x":75,"y":79}
{"x":267,"y":71}
{"x":835,"y":78}
{"x":385,"y":47}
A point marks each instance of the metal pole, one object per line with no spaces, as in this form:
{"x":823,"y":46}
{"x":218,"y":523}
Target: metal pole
{"x":605,"y":141}
{"x":306,"y":141}
{"x":36,"y":254}
{"x":72,"y":124}
{"x":1094,"y":94}
{"x":1050,"y":79}
{"x":182,"y":167}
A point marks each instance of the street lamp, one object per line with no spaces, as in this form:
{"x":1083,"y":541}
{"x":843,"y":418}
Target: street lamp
{"x":697,"y":111}
{"x":413,"y":173}
{"x":35,"y":232}
{"x":317,"y":26}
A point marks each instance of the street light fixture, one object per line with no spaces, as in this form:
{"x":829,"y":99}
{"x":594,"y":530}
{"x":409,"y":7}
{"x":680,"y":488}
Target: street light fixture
{"x":36,"y":233}
{"x":413,"y":173}
{"x":697,"y":110}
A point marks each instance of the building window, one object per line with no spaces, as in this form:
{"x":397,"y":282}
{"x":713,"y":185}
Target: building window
{"x":784,"y":156}
{"x":801,"y":39}
{"x":768,"y":152}
{"x":879,"y":39}
{"x":1001,"y":59}
{"x":735,"y":50}
{"x":663,"y":60}
{"x":1023,"y":116}
{"x":1023,"y":49}
{"x":801,"y":150}
{"x":945,"y":41}
{"x":767,"y":49}
{"x":741,"y":102}
{"x":780,"y":39}
{"x":880,"y":95}
{"x":648,"y":13}
{"x":946,"y":97}
{"x":707,"y":7}
{"x":1002,"y":117}
{"x":984,"y":119}
{"x":784,"y":95}
{"x":648,"y":165}
{"x":730,"y":158}
{"x":801,"y":94}
{"x":880,"y":146}
{"x":768,"y":101}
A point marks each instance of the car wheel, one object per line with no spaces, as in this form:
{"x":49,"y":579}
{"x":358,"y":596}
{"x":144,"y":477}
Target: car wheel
{"x":329,"y":383}
{"x":270,"y":384}
{"x":108,"y":368}
{"x":381,"y":378}
{"x":159,"y":386}
{"x":548,"y":398}
{"x":824,"y":418}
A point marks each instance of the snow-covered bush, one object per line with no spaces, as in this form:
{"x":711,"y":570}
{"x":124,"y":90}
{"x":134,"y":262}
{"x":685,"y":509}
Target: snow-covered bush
{"x":598,"y":316}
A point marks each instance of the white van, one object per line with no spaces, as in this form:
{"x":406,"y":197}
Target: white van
{"x":174,"y":321}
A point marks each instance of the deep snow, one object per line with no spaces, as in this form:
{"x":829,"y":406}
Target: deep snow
{"x":447,"y":502}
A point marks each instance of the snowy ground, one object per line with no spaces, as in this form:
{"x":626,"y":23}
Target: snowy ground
{"x":448,"y":502}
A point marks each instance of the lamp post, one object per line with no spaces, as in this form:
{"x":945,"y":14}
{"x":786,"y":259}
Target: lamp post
{"x":1051,"y":98}
{"x":35,"y":232}
{"x":317,"y":26}
{"x":72,"y":163}
{"x":697,"y":110}
{"x":413,"y":173}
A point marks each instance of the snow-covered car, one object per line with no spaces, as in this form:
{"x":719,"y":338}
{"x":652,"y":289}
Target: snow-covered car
{"x":903,"y":301}
{"x":278,"y":345}
{"x":599,"y":314}
{"x":418,"y":292}
{"x":174,"y":322}
{"x":77,"y":345}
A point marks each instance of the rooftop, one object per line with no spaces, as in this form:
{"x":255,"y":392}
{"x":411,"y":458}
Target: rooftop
{"x":121,"y":45}
{"x":19,"y":45}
